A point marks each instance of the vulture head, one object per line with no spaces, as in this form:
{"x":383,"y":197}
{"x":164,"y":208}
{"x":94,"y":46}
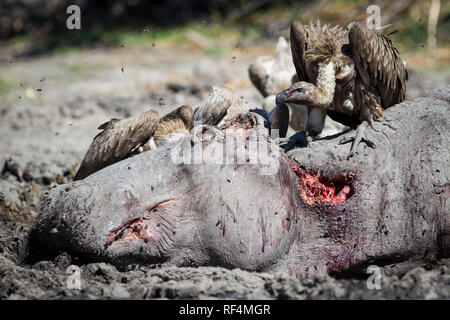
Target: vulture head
{"x":319,"y":60}
{"x":298,"y":93}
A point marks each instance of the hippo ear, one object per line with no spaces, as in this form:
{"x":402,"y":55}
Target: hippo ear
{"x":118,"y":140}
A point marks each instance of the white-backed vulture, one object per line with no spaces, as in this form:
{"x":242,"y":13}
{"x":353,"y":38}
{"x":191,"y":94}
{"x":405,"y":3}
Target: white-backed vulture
{"x":353,"y":74}
{"x":272,"y":74}
{"x":179,"y":120}
{"x":222,"y":105}
{"x":119,"y":139}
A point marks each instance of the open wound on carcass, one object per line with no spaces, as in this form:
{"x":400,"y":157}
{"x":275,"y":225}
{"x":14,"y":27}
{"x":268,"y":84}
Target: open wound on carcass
{"x":137,"y":229}
{"x":241,"y":125}
{"x":243,"y":121}
{"x":314,"y":187}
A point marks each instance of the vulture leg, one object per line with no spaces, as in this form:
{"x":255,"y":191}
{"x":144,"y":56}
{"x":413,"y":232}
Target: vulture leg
{"x":279,"y":119}
{"x":315,"y":122}
{"x":359,"y":136}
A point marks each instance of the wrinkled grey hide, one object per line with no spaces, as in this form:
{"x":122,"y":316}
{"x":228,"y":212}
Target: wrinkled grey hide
{"x":233,"y":215}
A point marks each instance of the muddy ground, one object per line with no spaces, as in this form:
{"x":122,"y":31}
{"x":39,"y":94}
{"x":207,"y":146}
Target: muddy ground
{"x":48,"y":117}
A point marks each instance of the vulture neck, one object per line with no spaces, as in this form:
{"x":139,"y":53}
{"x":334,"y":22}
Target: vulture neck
{"x":326,"y":83}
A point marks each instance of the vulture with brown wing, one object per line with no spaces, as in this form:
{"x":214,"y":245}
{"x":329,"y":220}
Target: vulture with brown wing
{"x":171,"y":125}
{"x":119,"y":139}
{"x":124,"y":138}
{"x":222,"y":105}
{"x":352,"y":74}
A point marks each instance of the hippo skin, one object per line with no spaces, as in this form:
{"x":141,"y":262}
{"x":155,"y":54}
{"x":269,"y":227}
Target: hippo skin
{"x":390,"y":206}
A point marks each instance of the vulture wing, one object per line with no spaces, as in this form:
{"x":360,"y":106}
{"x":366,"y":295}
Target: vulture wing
{"x":180,"y":118}
{"x":378,"y":64}
{"x":117,"y":141}
{"x":298,"y":47}
{"x":223,"y":103}
{"x":184,"y":113}
{"x":259,"y":78}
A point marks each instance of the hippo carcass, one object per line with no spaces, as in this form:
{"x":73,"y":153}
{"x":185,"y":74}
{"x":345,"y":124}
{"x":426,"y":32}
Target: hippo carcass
{"x":305,"y":211}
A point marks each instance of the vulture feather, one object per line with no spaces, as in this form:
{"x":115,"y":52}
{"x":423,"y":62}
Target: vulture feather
{"x":119,"y":139}
{"x":179,"y":120}
{"x":222,"y":105}
{"x":270,"y":74}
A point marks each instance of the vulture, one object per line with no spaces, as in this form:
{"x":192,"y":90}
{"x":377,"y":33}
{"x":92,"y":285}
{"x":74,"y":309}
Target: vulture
{"x":222,"y":105}
{"x":352,"y":75}
{"x":124,"y":138}
{"x":272,"y":74}
{"x":177,"y":121}
{"x":119,"y":139}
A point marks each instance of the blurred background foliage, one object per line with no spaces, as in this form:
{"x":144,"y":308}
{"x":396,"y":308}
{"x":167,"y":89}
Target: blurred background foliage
{"x":39,"y":26}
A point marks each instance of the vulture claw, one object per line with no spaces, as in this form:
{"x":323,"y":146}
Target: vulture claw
{"x":297,"y":140}
{"x":359,"y":136}
{"x":281,"y":141}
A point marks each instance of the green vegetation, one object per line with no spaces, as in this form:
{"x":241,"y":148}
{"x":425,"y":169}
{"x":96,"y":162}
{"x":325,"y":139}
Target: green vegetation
{"x":80,"y":68}
{"x":142,"y":37}
{"x":5,"y":87}
{"x":81,"y":39}
{"x":411,"y":24}
{"x":215,"y":51}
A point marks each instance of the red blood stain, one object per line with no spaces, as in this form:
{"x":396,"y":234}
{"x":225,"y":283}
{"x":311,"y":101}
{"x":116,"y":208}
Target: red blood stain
{"x":135,"y":230}
{"x":240,"y":126}
{"x":315,"y":187}
{"x":447,"y":190}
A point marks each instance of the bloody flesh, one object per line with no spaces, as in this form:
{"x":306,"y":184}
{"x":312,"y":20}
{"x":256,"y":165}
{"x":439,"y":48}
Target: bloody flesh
{"x":314,"y":187}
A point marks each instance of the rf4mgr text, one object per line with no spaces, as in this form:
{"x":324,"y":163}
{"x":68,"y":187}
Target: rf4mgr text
{"x":259,"y":309}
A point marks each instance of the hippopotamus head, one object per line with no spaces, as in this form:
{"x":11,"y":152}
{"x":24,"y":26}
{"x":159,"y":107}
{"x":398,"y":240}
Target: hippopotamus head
{"x":219,"y":197}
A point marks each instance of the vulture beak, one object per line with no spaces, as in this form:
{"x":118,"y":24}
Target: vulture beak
{"x":284,"y":96}
{"x":299,"y":93}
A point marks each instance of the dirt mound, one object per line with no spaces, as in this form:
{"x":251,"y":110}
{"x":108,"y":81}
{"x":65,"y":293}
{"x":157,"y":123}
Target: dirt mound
{"x":50,"y":279}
